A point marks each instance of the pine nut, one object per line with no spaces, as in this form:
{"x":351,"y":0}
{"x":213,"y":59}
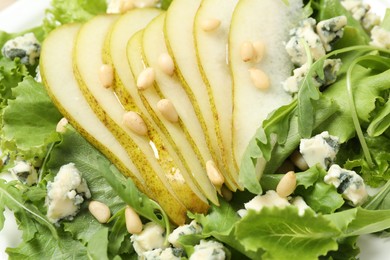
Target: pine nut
{"x":247,"y":51}
{"x":167,"y":109}
{"x":259,"y":78}
{"x":100,"y":211}
{"x":146,"y":78}
{"x":166,"y":63}
{"x":286,"y":166}
{"x":214,"y":174}
{"x":61,"y":125}
{"x":287,"y":184}
{"x":210,"y":24}
{"x":133,"y":221}
{"x":226,"y":193}
{"x":298,"y":160}
{"x":135,"y":123}
{"x":106,"y":75}
{"x":259,"y":49}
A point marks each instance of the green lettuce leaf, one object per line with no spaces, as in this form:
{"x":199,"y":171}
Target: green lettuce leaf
{"x":29,"y":121}
{"x":72,"y":11}
{"x":283,"y":234}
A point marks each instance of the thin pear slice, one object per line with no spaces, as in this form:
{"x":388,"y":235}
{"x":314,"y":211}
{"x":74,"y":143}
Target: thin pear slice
{"x":57,"y":75}
{"x":252,"y":23}
{"x":212,"y":59}
{"x":180,"y":41}
{"x":169,"y":87}
{"x":87,"y":62}
{"x":127,"y":92}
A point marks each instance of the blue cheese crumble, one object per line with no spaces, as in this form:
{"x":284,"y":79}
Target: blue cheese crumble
{"x":152,"y":237}
{"x":348,"y":183}
{"x":25,"y":172}
{"x":320,"y":149}
{"x":66,"y":193}
{"x":331,"y":30}
{"x":25,"y":47}
{"x":331,"y":68}
{"x":380,"y":37}
{"x":162,"y":254}
{"x":209,"y":250}
{"x":189,"y":229}
{"x":306,"y":32}
{"x":361,"y":12}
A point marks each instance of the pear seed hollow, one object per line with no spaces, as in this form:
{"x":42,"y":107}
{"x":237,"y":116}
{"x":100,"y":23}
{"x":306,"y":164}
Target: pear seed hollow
{"x":247,"y":51}
{"x":135,"y":123}
{"x":146,"y":78}
{"x":133,"y":221}
{"x":210,"y":24}
{"x":259,"y":78}
{"x":167,"y":109}
{"x":287,"y":184}
{"x":166,"y":64}
{"x":214,"y":174}
{"x":106,"y":75}
{"x":100,"y":211}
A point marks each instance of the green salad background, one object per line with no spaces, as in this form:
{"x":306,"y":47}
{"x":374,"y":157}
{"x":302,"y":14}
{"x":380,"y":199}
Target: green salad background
{"x":328,"y":231}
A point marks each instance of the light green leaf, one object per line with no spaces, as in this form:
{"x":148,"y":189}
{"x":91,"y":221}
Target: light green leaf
{"x":283,"y":234}
{"x":98,"y":244}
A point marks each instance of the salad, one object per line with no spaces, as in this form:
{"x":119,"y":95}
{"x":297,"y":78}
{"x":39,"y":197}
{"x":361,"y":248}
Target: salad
{"x":312,"y":180}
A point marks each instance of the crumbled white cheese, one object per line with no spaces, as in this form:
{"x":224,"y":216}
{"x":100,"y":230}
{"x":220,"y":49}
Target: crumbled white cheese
{"x":25,"y":172}
{"x":348,"y":183}
{"x":66,"y":193}
{"x":320,"y":149}
{"x":357,"y":8}
{"x":162,"y":254}
{"x":209,"y":250}
{"x":331,"y":30}
{"x":331,"y":69}
{"x":151,"y":237}
{"x":370,"y":20}
{"x":380,"y":37}
{"x":291,"y":84}
{"x":361,"y":12}
{"x":25,"y":47}
{"x":299,"y":202}
{"x":189,"y":229}
{"x":269,"y":199}
{"x":294,"y":47}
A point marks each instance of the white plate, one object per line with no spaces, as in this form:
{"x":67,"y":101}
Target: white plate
{"x":30,"y":13}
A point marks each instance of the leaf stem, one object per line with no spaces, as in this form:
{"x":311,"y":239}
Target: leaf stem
{"x":42,"y":219}
{"x":354,"y":115}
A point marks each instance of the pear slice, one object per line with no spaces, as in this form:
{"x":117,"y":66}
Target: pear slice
{"x":127,"y":92}
{"x":251,"y":23}
{"x":193,"y":143}
{"x":173,"y":193}
{"x":212,"y":58}
{"x":180,"y":42}
{"x":57,"y":75}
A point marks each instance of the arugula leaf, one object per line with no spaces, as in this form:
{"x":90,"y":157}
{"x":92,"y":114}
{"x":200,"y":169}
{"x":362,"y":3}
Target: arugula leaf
{"x":104,"y":180}
{"x":45,"y":246}
{"x":286,"y":235}
{"x":10,"y":197}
